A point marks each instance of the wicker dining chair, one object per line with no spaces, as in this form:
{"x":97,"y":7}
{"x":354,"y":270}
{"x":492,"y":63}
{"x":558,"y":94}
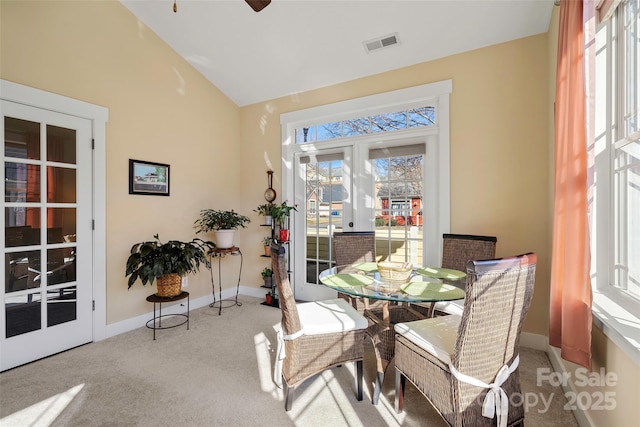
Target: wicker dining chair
{"x":313,"y":336}
{"x":457,"y":251}
{"x":457,"y":361}
{"x":351,"y":247}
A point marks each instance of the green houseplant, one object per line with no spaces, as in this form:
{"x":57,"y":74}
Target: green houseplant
{"x":281,"y":214}
{"x":266,"y":242}
{"x":223,"y":223}
{"x":167,"y":262}
{"x":267,"y":276}
{"x":266,"y":210}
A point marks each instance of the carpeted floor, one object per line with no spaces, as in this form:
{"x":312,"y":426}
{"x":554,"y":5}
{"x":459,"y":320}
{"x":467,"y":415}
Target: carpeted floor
{"x":218,"y":373}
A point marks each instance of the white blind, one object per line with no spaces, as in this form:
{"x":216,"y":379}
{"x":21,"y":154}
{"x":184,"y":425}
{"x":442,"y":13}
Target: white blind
{"x":404,"y":150}
{"x":313,"y":158}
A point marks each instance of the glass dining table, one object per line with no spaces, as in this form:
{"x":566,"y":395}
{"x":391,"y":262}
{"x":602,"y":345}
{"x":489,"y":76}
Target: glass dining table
{"x":424,"y":285}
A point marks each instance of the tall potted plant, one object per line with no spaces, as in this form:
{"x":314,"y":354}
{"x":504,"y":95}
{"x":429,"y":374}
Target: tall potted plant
{"x":281,"y":214}
{"x":166,"y":262}
{"x":223,"y":223}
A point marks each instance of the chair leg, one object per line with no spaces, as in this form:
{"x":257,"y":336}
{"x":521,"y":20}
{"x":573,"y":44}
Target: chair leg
{"x":359,"y":374}
{"x":400,"y":383}
{"x":377,"y":387}
{"x":288,"y":396}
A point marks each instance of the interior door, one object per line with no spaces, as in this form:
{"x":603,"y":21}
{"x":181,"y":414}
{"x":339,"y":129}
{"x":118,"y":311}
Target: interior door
{"x":46,"y":300}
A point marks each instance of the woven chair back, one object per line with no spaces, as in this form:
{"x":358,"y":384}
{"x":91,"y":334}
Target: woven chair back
{"x":290,"y":319}
{"x":498,"y":296}
{"x":459,"y":249}
{"x":354,"y":246}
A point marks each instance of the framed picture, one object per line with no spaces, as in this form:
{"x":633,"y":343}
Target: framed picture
{"x":148,"y":178}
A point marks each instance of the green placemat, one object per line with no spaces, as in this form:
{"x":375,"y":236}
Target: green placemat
{"x":441,"y":273}
{"x":369,"y":267}
{"x":347,"y":280}
{"x":431,"y":290}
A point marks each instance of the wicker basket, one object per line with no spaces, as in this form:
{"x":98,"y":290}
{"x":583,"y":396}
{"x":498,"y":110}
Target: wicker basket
{"x":169,"y":285}
{"x":395,"y":273}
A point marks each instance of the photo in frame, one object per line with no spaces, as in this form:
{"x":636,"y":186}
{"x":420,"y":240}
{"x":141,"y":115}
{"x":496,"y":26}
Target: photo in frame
{"x":148,"y":178}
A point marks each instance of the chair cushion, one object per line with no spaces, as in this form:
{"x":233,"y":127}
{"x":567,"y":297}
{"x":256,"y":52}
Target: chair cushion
{"x":436,"y":335}
{"x":329,"y":316}
{"x":450,"y":307}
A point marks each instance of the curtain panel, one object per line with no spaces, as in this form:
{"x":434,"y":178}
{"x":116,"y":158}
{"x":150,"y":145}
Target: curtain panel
{"x":570,"y":317}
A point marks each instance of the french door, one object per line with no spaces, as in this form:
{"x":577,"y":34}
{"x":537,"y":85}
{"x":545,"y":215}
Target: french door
{"x":324,"y":182}
{"x":360,"y":187}
{"x":46,"y":300}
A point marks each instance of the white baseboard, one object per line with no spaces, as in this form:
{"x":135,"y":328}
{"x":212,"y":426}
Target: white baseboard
{"x":534,"y":341}
{"x":541,"y":342}
{"x":179,"y":307}
{"x":559,"y":365}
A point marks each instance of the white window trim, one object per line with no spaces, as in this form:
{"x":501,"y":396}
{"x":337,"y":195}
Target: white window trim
{"x":615,"y":312}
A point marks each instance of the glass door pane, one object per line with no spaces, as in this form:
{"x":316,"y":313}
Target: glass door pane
{"x":325,"y":206}
{"x":40,"y":226}
{"x":398,"y":199}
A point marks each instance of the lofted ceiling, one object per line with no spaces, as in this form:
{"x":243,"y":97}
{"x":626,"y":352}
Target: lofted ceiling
{"x":293,"y":46}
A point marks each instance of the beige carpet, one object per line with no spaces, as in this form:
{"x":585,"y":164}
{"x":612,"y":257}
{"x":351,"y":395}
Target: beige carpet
{"x":217,"y":374}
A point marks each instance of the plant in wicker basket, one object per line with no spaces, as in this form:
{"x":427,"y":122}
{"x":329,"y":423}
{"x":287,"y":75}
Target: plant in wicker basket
{"x":167,"y":262}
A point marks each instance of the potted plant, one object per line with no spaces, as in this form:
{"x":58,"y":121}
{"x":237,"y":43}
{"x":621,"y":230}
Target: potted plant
{"x":266,"y":242}
{"x":223,"y":223}
{"x":271,"y":297}
{"x":267,"y":276}
{"x":281,"y":214}
{"x":167,"y":262}
{"x":266,"y":210}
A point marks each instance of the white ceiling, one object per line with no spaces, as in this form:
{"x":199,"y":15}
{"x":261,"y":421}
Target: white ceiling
{"x":293,"y":46}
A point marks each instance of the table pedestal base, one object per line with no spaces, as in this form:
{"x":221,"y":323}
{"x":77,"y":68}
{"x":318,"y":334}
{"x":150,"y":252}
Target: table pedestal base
{"x":382,"y":334}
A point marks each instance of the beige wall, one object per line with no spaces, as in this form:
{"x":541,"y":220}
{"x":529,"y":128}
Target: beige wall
{"x":160,"y":109}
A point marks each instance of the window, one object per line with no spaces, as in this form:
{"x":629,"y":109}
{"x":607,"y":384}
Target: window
{"x":386,"y":122}
{"x":615,"y":244}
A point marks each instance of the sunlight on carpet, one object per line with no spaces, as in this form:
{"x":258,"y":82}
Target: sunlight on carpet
{"x":44,"y":412}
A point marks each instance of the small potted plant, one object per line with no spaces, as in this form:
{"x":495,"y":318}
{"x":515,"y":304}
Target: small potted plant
{"x":223,"y":223}
{"x":266,"y":210}
{"x":281,"y":214}
{"x":267,"y":276}
{"x":167,"y":262}
{"x":271,"y":297}
{"x":266,"y":242}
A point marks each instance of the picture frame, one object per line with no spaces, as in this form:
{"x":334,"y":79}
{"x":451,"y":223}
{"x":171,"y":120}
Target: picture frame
{"x":148,"y":178}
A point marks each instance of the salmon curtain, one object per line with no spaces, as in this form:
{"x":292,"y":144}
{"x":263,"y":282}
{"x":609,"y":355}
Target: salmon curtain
{"x":570,"y":318}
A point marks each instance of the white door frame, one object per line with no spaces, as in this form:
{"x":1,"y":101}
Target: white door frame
{"x":437,"y":163}
{"x":98,"y":116}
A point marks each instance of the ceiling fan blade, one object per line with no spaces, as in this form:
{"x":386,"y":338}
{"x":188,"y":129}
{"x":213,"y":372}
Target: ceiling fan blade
{"x":258,"y":5}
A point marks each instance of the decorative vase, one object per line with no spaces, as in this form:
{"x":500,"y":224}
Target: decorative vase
{"x":284,"y":235}
{"x":268,"y":280}
{"x":169,"y":285}
{"x":268,"y":220}
{"x":224,"y":238}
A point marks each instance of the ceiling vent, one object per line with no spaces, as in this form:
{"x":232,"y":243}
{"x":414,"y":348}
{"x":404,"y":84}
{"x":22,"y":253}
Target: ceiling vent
{"x":381,"y":42}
